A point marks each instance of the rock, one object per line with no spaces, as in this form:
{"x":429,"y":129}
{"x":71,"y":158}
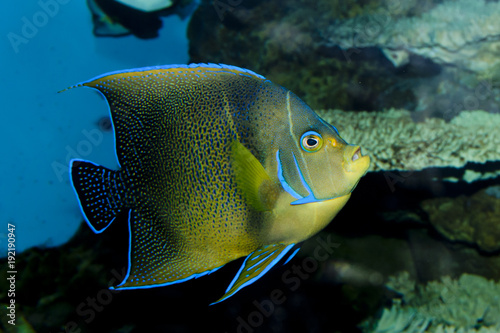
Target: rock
{"x":474,"y":220}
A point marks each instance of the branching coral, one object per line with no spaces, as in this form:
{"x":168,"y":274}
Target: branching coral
{"x":460,"y":33}
{"x":470,"y":304}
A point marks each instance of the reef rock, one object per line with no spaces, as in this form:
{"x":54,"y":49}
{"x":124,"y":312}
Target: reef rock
{"x":474,"y":220}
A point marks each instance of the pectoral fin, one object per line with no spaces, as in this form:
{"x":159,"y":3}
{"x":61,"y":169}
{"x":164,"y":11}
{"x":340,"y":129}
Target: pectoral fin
{"x":252,"y":179}
{"x":255,"y":265}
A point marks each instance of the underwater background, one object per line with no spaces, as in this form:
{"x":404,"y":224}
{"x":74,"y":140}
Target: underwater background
{"x":415,"y":83}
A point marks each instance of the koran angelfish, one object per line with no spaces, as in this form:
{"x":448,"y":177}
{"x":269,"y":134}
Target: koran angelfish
{"x":215,"y":163}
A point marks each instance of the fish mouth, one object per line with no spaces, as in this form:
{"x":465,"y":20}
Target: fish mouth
{"x":355,"y":161}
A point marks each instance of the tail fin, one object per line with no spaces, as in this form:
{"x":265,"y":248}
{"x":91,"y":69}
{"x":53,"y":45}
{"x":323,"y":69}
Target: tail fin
{"x":95,"y":187}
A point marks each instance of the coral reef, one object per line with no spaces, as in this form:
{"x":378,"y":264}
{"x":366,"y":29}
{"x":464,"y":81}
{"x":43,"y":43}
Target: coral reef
{"x":474,"y":219}
{"x":469,"y":304}
{"x":280,"y":40}
{"x":461,"y":33}
{"x":395,"y":142}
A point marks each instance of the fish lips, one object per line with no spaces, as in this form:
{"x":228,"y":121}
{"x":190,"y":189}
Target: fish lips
{"x":355,"y":162}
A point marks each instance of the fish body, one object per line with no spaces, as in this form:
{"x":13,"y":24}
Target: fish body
{"x":216,"y":163}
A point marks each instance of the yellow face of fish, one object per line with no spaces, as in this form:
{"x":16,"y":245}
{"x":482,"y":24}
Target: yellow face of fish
{"x":313,"y":162}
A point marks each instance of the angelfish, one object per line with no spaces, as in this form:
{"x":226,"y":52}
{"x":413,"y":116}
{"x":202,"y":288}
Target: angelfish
{"x":215,"y":163}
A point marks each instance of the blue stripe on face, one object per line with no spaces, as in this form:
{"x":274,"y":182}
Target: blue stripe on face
{"x":300,"y":199}
{"x":282,"y":180}
{"x":310,"y":197}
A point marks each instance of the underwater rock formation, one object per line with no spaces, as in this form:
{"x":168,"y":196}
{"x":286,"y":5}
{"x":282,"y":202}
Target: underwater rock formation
{"x":469,"y":304}
{"x":463,"y":34}
{"x":436,"y":57}
{"x":395,"y":141}
{"x":474,"y":219}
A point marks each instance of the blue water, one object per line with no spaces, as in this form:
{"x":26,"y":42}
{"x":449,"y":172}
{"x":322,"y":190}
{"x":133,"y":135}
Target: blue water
{"x":42,"y":51}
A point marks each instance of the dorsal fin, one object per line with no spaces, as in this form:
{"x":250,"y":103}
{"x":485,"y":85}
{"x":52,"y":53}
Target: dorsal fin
{"x":173,"y":69}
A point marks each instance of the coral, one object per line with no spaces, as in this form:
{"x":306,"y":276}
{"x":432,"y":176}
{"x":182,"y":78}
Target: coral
{"x":281,"y":41}
{"x":392,"y":54}
{"x":462,"y":33}
{"x":395,"y":320}
{"x":469,"y":304}
{"x":395,"y":142}
{"x":473,"y":219}
{"x":462,"y":37}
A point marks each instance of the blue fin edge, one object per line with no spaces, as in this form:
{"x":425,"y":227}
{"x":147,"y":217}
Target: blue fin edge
{"x":194,"y":276}
{"x":300,"y":199}
{"x":78,"y":198}
{"x":188,"y":66}
{"x":291,"y":256}
{"x":264,"y":271}
{"x":282,"y":179}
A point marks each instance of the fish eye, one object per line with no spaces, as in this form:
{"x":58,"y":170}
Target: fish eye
{"x":311,"y":141}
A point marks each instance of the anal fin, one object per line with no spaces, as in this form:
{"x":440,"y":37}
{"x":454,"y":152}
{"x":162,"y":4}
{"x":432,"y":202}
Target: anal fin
{"x":255,"y":266}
